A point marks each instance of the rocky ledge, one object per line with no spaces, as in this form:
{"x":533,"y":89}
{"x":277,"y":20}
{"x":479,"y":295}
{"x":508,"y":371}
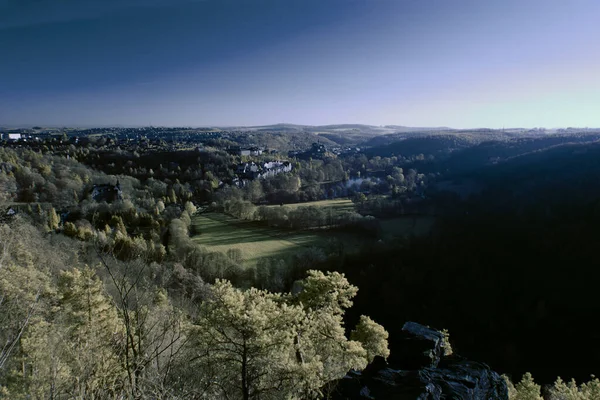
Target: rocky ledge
{"x":424,"y":374}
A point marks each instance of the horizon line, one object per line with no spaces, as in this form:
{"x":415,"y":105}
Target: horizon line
{"x":220,"y":126}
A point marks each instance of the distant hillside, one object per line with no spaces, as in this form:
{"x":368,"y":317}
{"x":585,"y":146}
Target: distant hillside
{"x":400,"y":128}
{"x":411,"y":146}
{"x":502,"y":151}
{"x":342,"y":134}
{"x":283,"y":140}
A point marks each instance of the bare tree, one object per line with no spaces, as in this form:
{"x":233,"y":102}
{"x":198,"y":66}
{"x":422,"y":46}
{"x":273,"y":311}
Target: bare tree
{"x":154,"y":329}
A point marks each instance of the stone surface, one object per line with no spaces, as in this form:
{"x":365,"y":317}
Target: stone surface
{"x":425,"y":374}
{"x":420,"y":346}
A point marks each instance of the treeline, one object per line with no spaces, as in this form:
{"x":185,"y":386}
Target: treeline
{"x":527,"y":389}
{"x":302,"y":217}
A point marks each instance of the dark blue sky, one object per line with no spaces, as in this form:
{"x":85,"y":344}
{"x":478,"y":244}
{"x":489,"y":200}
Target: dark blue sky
{"x":461,"y":63}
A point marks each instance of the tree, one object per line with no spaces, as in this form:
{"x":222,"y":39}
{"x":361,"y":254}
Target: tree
{"x":570,"y":391}
{"x":22,"y":290}
{"x":244,"y":344}
{"x":235,"y":255}
{"x":160,"y":206}
{"x":172,"y":197}
{"x":70,"y":229}
{"x":190,"y":208}
{"x":566,"y":391}
{"x":372,"y":336}
{"x":325,"y":297}
{"x":359,"y":198}
{"x":153,"y":332}
{"x":591,"y":389}
{"x":527,"y":389}
{"x":331,"y":292}
{"x":446,"y":346}
{"x":255,"y":191}
{"x":255,"y":344}
{"x":53,"y":219}
{"x":73,"y":353}
{"x":512,"y":391}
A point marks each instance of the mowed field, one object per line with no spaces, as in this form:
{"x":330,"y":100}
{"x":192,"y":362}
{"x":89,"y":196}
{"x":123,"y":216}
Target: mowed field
{"x":220,"y":232}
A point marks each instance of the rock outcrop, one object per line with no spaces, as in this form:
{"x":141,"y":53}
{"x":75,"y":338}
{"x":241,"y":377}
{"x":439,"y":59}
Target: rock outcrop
{"x":423,"y":374}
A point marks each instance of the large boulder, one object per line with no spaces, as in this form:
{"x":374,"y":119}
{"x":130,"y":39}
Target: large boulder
{"x":420,"y":346}
{"x":425,"y":374}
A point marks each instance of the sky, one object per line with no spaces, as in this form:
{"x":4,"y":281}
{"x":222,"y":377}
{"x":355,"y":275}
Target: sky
{"x":455,"y":63}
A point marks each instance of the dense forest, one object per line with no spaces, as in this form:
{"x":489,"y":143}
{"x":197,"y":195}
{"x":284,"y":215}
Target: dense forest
{"x":106,"y":291}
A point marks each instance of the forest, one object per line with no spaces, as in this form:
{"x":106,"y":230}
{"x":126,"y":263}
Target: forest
{"x":114,"y":284}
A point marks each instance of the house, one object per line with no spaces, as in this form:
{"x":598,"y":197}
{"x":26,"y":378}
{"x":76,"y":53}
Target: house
{"x":273,"y":168}
{"x":255,"y":151}
{"x":107,"y":192}
{"x":14,"y":136}
{"x":251,"y":170}
{"x":247,"y":170}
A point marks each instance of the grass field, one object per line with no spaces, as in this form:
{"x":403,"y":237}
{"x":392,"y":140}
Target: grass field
{"x":339,"y":205}
{"x":219,"y":232}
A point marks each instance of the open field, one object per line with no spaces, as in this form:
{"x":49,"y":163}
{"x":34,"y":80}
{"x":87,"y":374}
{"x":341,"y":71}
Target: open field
{"x":339,"y":205}
{"x":219,"y":232}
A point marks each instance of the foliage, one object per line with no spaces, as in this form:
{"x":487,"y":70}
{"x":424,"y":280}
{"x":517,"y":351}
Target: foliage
{"x":560,"y":390}
{"x":255,"y":344}
{"x":570,"y":391}
{"x":372,"y":336}
{"x":53,"y":219}
{"x":74,"y":352}
{"x":331,"y":292}
{"x":527,"y":389}
{"x":512,"y":391}
{"x":446,"y":344}
{"x":244,"y":344}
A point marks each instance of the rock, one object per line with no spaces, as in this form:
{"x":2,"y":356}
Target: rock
{"x":430,"y":375}
{"x":420,"y":347}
